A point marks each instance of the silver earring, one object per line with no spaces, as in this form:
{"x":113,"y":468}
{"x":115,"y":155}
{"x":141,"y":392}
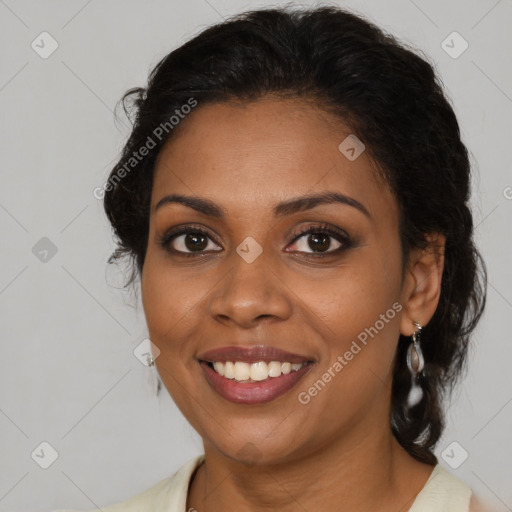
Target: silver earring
{"x":415,"y":363}
{"x":153,"y":378}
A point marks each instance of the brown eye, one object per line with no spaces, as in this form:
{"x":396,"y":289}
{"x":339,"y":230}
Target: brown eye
{"x":193,"y":242}
{"x":321,"y":240}
{"x":188,"y":241}
{"x":316,"y":242}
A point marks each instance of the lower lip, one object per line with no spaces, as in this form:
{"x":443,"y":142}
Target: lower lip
{"x":253,"y":392}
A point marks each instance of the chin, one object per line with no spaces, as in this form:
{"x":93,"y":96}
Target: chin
{"x":250,"y":449}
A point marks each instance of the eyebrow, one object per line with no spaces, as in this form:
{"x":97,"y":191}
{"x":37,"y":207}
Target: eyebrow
{"x":297,"y":204}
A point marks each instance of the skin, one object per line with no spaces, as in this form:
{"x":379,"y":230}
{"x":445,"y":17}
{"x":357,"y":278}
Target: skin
{"x":337,"y":452}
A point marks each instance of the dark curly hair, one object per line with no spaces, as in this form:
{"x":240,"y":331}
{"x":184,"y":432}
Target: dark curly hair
{"x":393,"y":101}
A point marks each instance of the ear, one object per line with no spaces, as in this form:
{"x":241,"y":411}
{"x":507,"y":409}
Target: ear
{"x":422,"y":284}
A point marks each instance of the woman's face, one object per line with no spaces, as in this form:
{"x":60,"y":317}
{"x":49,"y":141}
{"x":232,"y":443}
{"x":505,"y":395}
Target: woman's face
{"x":252,"y":279}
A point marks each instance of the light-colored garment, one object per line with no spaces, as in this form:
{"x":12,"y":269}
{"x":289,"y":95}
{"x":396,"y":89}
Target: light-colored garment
{"x":442,"y":492}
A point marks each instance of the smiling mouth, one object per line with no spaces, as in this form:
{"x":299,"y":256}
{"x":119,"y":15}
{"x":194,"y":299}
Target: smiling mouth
{"x":253,"y":383}
{"x":253,"y":374}
{"x":259,"y":371}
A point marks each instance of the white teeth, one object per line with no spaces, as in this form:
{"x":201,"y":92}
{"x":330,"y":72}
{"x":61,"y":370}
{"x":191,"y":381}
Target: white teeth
{"x":229,"y":370}
{"x":259,"y":371}
{"x":219,"y":368}
{"x":241,"y":371}
{"x":286,"y":368}
{"x":274,"y":369}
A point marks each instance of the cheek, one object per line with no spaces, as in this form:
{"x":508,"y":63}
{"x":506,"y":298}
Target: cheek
{"x":357,"y":311}
{"x":170,"y":300}
{"x":353,"y":297}
{"x":171,"y":305}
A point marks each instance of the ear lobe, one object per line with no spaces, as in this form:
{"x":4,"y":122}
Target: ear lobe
{"x":422,"y":284}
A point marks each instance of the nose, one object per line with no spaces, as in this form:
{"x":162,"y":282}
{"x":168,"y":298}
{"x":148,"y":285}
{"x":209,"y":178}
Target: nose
{"x":250,"y":292}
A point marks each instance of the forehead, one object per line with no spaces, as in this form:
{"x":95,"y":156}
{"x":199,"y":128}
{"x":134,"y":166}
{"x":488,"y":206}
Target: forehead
{"x":254,"y":155}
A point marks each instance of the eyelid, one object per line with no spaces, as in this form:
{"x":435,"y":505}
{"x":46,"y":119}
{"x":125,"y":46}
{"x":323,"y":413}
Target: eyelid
{"x":340,"y":235}
{"x":321,"y":227}
{"x":183,"y":229}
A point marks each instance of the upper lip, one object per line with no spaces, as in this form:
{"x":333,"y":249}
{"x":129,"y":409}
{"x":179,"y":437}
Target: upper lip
{"x":252,"y":354}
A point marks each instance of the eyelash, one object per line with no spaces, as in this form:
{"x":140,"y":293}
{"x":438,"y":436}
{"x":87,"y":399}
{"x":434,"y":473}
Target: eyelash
{"x":340,"y":235}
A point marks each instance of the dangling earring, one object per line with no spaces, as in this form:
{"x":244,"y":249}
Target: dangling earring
{"x":146,"y":352}
{"x":415,"y":363}
{"x":153,"y":379}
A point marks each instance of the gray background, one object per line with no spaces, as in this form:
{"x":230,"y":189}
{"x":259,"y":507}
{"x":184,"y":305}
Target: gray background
{"x":68,"y":374}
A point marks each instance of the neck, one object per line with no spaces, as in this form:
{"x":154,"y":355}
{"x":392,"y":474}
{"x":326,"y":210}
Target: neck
{"x":356,"y":472}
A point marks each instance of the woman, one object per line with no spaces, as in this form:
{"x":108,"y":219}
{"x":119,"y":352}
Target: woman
{"x":294,"y":198}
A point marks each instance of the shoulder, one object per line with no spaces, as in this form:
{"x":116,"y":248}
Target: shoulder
{"x":443,"y":492}
{"x":478,"y":505}
{"x":168,"y":495}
